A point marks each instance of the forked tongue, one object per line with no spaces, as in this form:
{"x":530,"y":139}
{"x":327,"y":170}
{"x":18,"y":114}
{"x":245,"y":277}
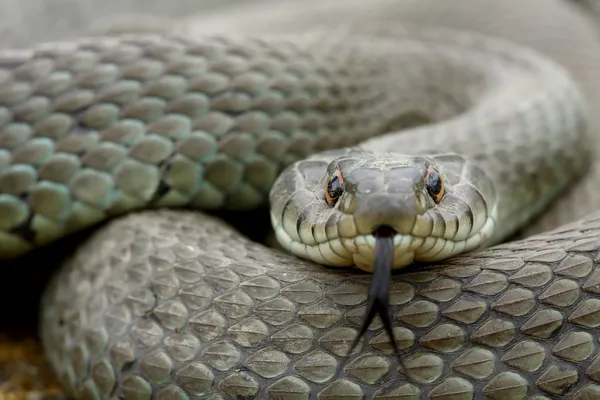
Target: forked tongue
{"x":379,"y":292}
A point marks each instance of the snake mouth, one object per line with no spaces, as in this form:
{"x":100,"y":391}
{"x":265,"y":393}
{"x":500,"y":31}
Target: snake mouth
{"x":379,"y":292}
{"x":384,"y":231}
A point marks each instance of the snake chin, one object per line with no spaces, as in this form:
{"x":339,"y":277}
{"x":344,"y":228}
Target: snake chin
{"x":360,"y":250}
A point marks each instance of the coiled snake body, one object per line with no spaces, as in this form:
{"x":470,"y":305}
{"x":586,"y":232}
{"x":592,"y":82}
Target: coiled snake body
{"x":176,"y":305}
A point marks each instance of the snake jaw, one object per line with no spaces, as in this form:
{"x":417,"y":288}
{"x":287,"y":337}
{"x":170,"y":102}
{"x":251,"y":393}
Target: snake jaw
{"x":359,"y":251}
{"x":379,"y":291}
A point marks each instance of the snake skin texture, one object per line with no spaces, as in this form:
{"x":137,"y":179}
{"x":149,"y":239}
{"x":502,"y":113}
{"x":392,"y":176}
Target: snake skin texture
{"x":98,"y":128}
{"x":217,"y":316}
{"x":177,"y":305}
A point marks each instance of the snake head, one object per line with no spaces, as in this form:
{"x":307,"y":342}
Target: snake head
{"x":327,"y":207}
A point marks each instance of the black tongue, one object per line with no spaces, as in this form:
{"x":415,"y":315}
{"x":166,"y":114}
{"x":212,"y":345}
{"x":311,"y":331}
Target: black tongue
{"x":379,"y":292}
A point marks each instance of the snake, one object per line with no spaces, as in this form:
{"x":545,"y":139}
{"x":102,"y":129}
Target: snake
{"x":430,"y":175}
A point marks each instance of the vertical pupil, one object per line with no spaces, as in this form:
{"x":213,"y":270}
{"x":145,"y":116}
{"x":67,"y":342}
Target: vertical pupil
{"x":433,"y":183}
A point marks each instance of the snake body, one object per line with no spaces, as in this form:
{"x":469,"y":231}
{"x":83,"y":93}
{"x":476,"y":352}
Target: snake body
{"x":176,"y":305}
{"x":473,"y":137}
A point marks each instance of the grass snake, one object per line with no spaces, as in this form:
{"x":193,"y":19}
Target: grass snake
{"x":489,"y":137}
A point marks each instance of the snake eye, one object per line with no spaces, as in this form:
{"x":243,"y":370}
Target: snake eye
{"x":434,"y":185}
{"x":334,"y":188}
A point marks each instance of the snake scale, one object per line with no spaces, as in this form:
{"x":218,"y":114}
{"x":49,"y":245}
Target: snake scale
{"x":174,"y":304}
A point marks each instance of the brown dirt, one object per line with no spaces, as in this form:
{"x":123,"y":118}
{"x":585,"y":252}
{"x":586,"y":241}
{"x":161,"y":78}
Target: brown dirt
{"x":24,"y":373}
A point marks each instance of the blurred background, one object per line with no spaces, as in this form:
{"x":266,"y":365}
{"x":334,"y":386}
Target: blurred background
{"x":26,"y":22}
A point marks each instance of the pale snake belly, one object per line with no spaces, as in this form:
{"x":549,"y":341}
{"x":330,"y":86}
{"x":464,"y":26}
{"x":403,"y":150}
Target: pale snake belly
{"x":172,"y":304}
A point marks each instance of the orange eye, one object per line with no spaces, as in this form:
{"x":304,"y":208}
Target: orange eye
{"x":334,"y":187}
{"x":434,"y":185}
